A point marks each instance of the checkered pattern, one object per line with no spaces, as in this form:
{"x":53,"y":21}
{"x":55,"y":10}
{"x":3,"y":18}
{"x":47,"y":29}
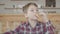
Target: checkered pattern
{"x":40,"y":28}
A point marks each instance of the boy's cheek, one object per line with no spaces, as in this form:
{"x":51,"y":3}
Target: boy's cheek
{"x":31,"y":15}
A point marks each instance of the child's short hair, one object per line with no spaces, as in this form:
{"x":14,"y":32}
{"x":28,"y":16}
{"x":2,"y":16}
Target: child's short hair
{"x":27,"y":5}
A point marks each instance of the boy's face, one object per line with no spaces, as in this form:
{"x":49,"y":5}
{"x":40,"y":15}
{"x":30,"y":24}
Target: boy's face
{"x":32,"y":10}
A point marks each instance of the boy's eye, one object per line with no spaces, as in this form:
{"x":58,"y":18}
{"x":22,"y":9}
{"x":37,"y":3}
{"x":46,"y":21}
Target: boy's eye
{"x":36,"y":10}
{"x":32,"y":10}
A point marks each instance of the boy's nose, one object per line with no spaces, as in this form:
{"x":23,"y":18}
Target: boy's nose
{"x":35,"y":11}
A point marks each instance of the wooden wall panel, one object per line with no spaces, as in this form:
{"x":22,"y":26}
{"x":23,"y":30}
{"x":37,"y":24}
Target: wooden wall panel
{"x":14,"y":20}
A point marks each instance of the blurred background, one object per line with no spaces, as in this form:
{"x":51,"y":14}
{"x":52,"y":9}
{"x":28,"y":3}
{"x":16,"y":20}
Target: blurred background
{"x":11,"y":14}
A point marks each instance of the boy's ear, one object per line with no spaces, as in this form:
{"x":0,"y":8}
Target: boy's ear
{"x":26,"y":15}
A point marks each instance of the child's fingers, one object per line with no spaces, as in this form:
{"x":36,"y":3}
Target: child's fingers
{"x":37,"y":15}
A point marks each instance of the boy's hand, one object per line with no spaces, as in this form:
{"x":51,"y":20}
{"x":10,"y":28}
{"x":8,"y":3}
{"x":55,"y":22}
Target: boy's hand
{"x":42,"y":17}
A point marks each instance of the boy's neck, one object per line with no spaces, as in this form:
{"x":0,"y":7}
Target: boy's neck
{"x":32,"y":23}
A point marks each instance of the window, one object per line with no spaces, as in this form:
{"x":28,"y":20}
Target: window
{"x":50,"y":3}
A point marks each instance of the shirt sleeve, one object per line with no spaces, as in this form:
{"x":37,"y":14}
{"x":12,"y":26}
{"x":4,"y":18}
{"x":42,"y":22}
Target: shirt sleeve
{"x":48,"y":28}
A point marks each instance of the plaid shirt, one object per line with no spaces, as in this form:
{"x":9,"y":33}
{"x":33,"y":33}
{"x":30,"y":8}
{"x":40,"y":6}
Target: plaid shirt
{"x":40,"y":28}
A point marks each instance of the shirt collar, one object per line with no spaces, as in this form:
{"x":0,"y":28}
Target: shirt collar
{"x":27,"y":23}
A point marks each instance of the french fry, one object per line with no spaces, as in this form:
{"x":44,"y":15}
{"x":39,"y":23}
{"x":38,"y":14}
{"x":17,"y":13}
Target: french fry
{"x":39,"y":17}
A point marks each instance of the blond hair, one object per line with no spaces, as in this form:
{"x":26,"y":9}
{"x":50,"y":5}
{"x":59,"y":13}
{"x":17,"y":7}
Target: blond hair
{"x":27,"y":5}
